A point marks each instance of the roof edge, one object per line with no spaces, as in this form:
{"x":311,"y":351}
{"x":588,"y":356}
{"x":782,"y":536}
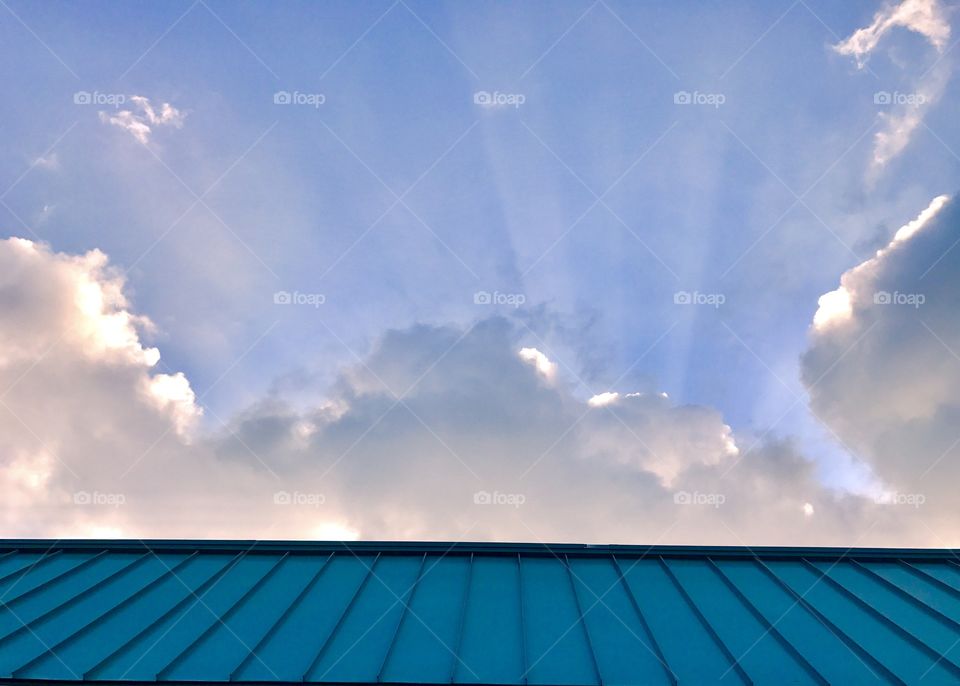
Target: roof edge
{"x":488,"y":548}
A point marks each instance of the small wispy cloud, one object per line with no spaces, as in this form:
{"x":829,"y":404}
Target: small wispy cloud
{"x":139,"y":122}
{"x":50,"y":161}
{"x":926,"y":17}
{"x":899,"y":125}
{"x":929,"y":19}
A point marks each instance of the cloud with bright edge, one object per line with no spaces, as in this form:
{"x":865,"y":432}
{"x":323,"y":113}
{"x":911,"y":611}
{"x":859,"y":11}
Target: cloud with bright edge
{"x":836,"y":307}
{"x":882,"y":370}
{"x":84,"y":409}
{"x":540,"y":362}
{"x":138,"y":121}
{"x":927,"y":18}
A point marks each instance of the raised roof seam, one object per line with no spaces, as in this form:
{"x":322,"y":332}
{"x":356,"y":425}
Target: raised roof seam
{"x":894,"y":626}
{"x":855,"y":648}
{"x":734,"y":662}
{"x":221,"y":620}
{"x":582,"y":619}
{"x":311,"y":582}
{"x":464,"y":604}
{"x":202,"y":588}
{"x":671,"y":675}
{"x":410,"y":594}
{"x":770,"y":627}
{"x":343,"y":615}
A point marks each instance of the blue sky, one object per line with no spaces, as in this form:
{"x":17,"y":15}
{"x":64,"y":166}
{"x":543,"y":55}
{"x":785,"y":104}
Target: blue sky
{"x":595,"y":192}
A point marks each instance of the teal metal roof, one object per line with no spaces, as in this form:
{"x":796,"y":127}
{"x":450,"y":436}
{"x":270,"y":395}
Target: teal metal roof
{"x":431,"y":613}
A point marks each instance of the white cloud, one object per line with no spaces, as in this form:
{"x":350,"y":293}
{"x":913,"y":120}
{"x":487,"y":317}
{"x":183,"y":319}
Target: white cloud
{"x":138,"y":122}
{"x":56,"y":301}
{"x":168,"y":115}
{"x":836,"y":307}
{"x":601,"y":399}
{"x":542,"y":363}
{"x":926,"y":17}
{"x":172,"y":393}
{"x":94,"y":418}
{"x":80,"y":399}
{"x":898,"y":124}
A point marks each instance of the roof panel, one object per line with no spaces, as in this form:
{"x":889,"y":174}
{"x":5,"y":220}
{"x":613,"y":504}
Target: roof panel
{"x":924,"y":625}
{"x":426,"y":643}
{"x":758,"y":649}
{"x":814,"y":642}
{"x":37,"y":642}
{"x":235,"y":635}
{"x":28,"y":601}
{"x":38,"y":571}
{"x":678,"y":626}
{"x":282,"y":612}
{"x":164,"y":642}
{"x":492,"y":647}
{"x":289,"y":651}
{"x":624,"y":648}
{"x":117,"y":634}
{"x":925,"y":582}
{"x":885,"y":642}
{"x":558,"y":649}
{"x":356,"y":650}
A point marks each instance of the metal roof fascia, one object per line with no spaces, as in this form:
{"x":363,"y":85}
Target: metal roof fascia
{"x":510,"y":549}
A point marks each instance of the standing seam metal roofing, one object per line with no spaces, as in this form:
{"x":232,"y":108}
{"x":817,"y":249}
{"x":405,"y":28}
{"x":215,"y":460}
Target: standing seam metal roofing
{"x":431,"y":613}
